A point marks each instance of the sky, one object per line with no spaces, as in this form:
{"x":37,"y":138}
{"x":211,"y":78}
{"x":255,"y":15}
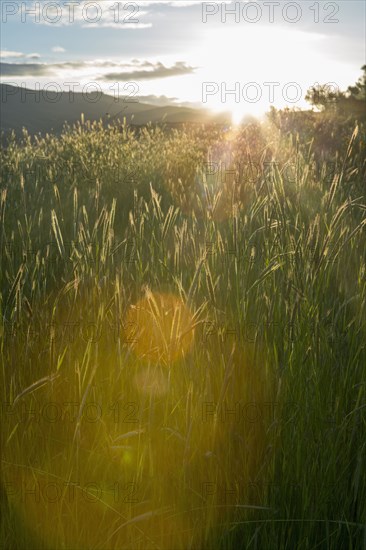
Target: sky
{"x":238,"y":56}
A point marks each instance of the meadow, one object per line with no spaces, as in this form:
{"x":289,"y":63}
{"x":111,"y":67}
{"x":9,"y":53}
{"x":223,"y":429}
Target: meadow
{"x":183,"y":333}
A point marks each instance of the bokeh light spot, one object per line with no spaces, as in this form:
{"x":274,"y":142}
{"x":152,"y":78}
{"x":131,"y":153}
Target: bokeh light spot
{"x":159,"y":328}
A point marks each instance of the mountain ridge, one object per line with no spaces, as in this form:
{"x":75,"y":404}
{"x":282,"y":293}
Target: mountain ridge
{"x":42,"y":111}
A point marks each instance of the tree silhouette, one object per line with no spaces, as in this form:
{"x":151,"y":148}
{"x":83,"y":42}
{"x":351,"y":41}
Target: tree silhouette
{"x":358,"y":91}
{"x":326,"y":97}
{"x":322,"y":96}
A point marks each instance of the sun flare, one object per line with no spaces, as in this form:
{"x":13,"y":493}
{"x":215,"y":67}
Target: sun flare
{"x":159,"y":328}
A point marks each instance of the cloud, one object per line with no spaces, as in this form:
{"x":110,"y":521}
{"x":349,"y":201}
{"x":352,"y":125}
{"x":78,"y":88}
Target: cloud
{"x":179,"y":3}
{"x":37,"y":69}
{"x":101,"y":13}
{"x":7,"y":54}
{"x":58,"y":49}
{"x":105,"y":13}
{"x":158,"y":70}
{"x":23,"y":69}
{"x":132,"y":71}
{"x":113,"y":25}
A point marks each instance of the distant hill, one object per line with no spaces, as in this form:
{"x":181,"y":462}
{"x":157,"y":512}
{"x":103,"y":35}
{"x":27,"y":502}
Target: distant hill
{"x":42,"y":112}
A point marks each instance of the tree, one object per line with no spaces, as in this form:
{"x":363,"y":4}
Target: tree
{"x":352,"y":102}
{"x":323,"y":96}
{"x":358,"y":91}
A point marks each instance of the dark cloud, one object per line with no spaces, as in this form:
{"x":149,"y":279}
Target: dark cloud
{"x":139,"y":70}
{"x":36,"y":69}
{"x":158,"y":70}
{"x":25,"y":69}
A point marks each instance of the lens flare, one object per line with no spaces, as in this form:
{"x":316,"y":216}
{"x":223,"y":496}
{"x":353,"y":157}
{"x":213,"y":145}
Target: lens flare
{"x":159,"y":328}
{"x":151,"y":382}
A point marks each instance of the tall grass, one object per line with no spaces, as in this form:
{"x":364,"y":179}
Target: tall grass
{"x":253,"y":436}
